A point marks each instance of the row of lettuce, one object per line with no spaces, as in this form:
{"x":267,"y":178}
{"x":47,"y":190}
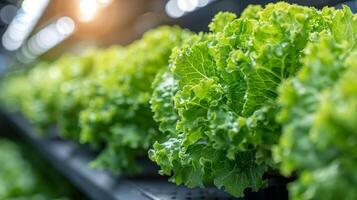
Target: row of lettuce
{"x":23,"y":176}
{"x":274,"y":89}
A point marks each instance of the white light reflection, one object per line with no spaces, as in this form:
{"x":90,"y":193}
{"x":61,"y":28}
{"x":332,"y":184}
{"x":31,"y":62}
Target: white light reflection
{"x":202,"y":3}
{"x":87,"y":10}
{"x":104,"y":2}
{"x":65,"y":25}
{"x":177,"y":8}
{"x":46,"y":38}
{"x":23,"y":23}
{"x":187,"y":5}
{"x":173,"y":10}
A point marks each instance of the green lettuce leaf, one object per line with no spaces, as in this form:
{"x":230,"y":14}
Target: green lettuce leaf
{"x":224,"y":92}
{"x":119,"y":116}
{"x":318,"y":116}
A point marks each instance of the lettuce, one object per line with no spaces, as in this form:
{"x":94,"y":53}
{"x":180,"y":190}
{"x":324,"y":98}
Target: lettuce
{"x":23,"y":176}
{"x":76,"y":93}
{"x":318,"y":116}
{"x":40,"y":93}
{"x":217,"y":103}
{"x":100,"y":98}
{"x":118,"y":117}
{"x":271,"y":90}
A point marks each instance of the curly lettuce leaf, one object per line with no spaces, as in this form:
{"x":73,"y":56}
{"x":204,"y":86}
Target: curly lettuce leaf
{"x":318,"y":116}
{"x":224,"y":95}
{"x":78,"y":91}
{"x":119,"y":116}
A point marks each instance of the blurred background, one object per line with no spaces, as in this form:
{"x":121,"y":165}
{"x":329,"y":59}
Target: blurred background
{"x":45,"y":29}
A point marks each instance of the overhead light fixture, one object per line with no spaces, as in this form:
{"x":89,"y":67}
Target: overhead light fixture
{"x":202,"y":3}
{"x":87,"y":10}
{"x":47,"y":38}
{"x":187,"y":5}
{"x":104,"y":2}
{"x":23,"y":23}
{"x":172,"y":9}
{"x":65,"y":25}
{"x":178,"y":8}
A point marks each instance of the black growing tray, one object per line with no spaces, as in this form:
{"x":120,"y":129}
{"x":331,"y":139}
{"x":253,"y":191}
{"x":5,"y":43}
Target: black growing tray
{"x":72,"y":160}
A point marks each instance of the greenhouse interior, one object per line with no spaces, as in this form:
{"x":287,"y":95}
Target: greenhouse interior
{"x":178,"y":100}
